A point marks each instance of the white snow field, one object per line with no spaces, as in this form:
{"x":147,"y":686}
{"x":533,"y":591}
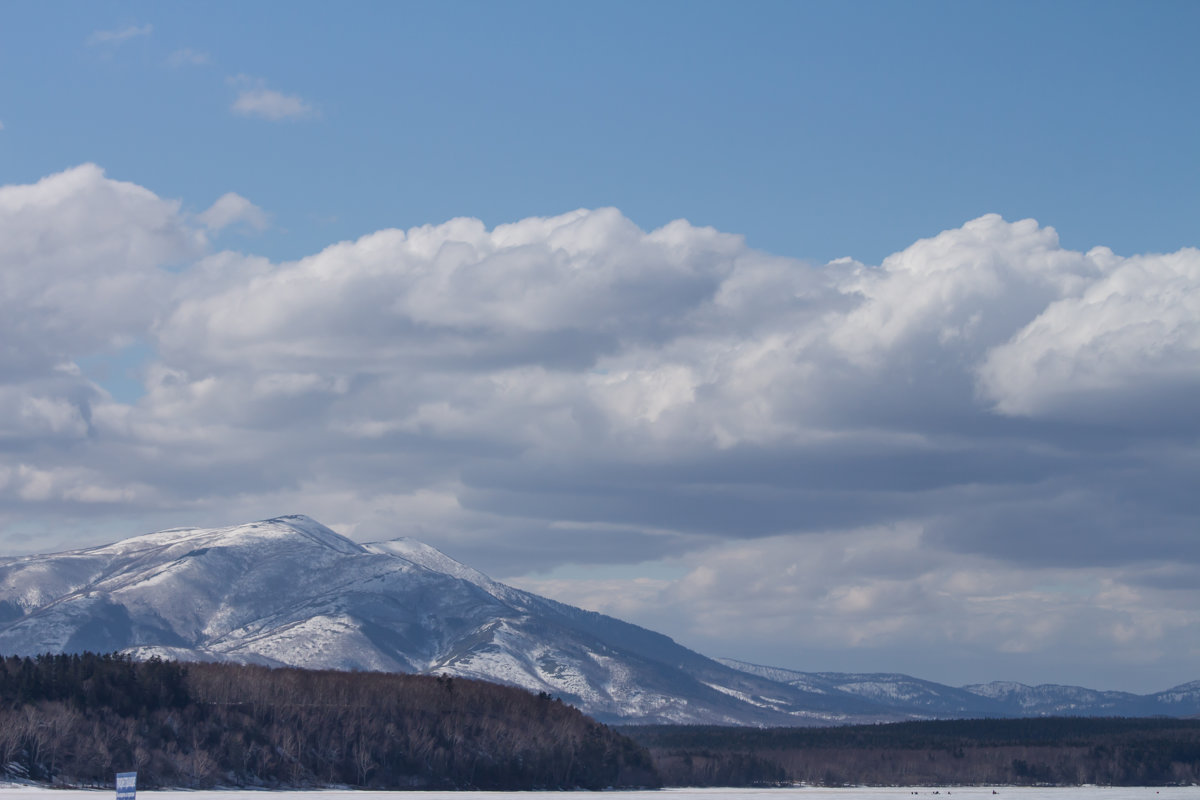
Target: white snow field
{"x":797,"y":793}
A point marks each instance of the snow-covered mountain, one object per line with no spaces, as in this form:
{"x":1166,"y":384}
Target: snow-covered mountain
{"x":289,"y":591}
{"x":1053,"y":700}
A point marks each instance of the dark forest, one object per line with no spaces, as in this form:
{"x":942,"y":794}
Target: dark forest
{"x":77,"y":719}
{"x":1063,"y":751}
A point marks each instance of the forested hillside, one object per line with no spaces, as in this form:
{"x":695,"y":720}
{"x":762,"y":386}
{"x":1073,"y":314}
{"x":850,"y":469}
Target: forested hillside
{"x":1047,"y":751}
{"x":77,"y":719}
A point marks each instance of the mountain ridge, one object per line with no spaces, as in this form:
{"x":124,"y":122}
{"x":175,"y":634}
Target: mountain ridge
{"x":997,"y":698}
{"x":290,"y":591}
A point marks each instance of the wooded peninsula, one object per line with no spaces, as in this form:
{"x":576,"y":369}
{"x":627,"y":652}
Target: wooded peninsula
{"x":78,"y":719}
{"x":75,"y":720}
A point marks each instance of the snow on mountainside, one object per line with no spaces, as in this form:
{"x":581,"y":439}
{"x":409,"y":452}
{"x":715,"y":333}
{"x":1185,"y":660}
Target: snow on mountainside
{"x":1053,"y":700}
{"x":902,"y":693}
{"x":289,"y":591}
{"x":998,"y":699}
{"x":1188,"y":692}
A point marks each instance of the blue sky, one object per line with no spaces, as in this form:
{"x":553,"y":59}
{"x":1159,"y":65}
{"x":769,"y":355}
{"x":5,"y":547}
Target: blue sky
{"x":910,"y":389}
{"x":817,"y":130}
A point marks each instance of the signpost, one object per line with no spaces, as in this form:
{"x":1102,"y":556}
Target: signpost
{"x":126,"y":785}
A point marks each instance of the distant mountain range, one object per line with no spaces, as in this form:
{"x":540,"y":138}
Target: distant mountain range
{"x":916,"y":698}
{"x":289,"y":591}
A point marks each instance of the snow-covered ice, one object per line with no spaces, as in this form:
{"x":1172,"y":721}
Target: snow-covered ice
{"x":11,"y":792}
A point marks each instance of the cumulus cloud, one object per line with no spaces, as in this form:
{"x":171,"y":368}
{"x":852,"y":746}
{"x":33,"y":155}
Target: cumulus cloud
{"x":254,"y":99}
{"x":538,"y":292}
{"x":231,"y":208}
{"x":959,"y":292}
{"x":1132,"y":334}
{"x":864,"y":455}
{"x":641,"y":376}
{"x":82,"y":259}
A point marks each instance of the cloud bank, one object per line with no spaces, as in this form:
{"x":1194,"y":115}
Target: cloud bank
{"x":985,"y":445}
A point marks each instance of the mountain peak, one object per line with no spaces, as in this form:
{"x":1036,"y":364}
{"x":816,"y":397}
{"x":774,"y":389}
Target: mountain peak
{"x":165,"y":541}
{"x":315,"y":531}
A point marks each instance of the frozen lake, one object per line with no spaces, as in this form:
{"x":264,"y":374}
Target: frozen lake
{"x":799,"y":793}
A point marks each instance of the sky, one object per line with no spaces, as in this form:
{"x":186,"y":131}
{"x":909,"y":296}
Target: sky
{"x":831,"y":336}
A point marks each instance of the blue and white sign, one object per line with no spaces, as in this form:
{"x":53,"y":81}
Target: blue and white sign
{"x":126,"y":785}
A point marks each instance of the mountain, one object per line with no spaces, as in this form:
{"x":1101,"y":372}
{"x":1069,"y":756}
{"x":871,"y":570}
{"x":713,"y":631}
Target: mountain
{"x":289,"y":591}
{"x":916,"y":697}
{"x":903,"y":694}
{"x":1067,"y":701}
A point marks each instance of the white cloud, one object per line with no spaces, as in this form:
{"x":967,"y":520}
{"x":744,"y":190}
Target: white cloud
{"x":581,"y":332}
{"x":231,"y":208}
{"x":254,"y":99}
{"x":81,"y":256}
{"x":1131,"y":335}
{"x":959,"y":291}
{"x":505,"y":296}
{"x":120,"y":35}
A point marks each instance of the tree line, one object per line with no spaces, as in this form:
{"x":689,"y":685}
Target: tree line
{"x":1066,"y":751}
{"x":77,"y":719}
